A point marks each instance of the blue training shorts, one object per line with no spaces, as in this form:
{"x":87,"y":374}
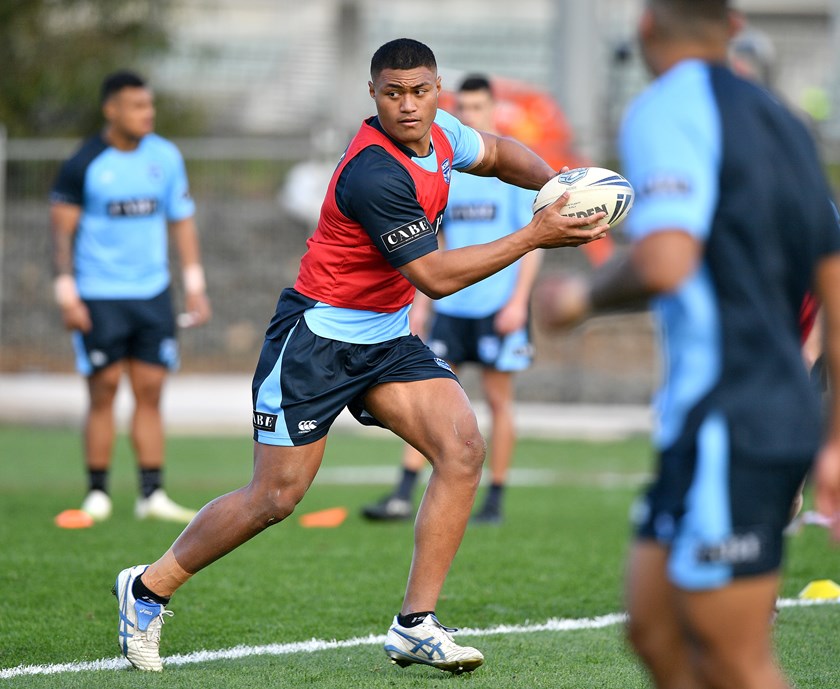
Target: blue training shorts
{"x":461,"y":340}
{"x":304,"y":381}
{"x":142,"y":329}
{"x":721,"y":516}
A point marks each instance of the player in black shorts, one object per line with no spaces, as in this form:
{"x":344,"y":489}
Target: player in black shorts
{"x":486,"y":323}
{"x":723,"y":172}
{"x":340,"y":338}
{"x":114,"y":205}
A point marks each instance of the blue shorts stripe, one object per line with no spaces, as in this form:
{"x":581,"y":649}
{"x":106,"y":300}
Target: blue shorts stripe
{"x":516,"y":352}
{"x":83,"y":364}
{"x":708,"y":518}
{"x":269,"y":399}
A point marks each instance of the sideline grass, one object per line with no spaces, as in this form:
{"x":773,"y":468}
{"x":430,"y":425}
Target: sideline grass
{"x":559,"y":554}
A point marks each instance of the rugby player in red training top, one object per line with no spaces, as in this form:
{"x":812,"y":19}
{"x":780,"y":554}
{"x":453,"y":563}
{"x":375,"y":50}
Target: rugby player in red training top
{"x":340,"y":338}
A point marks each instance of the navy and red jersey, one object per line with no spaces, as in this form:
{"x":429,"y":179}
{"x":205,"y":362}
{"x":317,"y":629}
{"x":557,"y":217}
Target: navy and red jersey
{"x":381,"y":211}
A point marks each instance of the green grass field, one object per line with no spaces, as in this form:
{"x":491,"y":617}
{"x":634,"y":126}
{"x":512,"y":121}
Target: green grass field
{"x":559,"y":554}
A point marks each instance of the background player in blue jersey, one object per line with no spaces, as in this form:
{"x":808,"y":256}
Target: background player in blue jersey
{"x":733,"y":224}
{"x":111,"y":205}
{"x":340,"y":339}
{"x":485,"y":323}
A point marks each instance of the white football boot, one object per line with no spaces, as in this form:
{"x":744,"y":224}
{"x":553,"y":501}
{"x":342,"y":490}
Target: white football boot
{"x":160,"y":506}
{"x":97,"y":504}
{"x":140,"y":623}
{"x":430,"y":643}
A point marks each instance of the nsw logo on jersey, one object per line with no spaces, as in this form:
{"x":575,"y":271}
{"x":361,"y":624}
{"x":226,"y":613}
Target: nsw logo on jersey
{"x":405,"y":234}
{"x":132,"y":208}
{"x":446,"y":169}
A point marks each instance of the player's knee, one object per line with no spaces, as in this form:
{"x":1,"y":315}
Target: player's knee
{"x":275,"y":504}
{"x":103,"y":390}
{"x":148,"y":392}
{"x":733,"y":666}
{"x":147,"y":396}
{"x":465,"y":456}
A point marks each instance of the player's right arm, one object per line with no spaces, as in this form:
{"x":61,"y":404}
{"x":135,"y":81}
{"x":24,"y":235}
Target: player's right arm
{"x":511,"y":162}
{"x":489,"y":155}
{"x":64,"y":218}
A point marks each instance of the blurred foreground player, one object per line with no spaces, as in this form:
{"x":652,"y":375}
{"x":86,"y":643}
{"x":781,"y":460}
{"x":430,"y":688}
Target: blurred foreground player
{"x":340,"y":338}
{"x":111,"y":205}
{"x":723,"y":172}
{"x":485,"y":323}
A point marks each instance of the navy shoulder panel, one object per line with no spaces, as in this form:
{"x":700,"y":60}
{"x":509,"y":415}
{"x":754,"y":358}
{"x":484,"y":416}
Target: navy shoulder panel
{"x":377,"y":192}
{"x":70,"y":182}
{"x":369,"y":185}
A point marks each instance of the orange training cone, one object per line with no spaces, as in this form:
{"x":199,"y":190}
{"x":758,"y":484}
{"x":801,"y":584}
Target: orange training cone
{"x":73,"y":519}
{"x":324,"y":519}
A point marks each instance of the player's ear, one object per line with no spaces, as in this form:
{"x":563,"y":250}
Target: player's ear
{"x":438,"y":84}
{"x":647,"y":25}
{"x":109,"y":109}
{"x":737,"y":22}
{"x":371,"y":90}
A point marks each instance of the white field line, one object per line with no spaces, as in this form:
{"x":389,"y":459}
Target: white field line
{"x":315,"y":645}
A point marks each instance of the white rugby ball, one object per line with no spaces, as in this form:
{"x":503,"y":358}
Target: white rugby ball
{"x":591,"y":190}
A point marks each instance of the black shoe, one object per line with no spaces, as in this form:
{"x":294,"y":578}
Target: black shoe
{"x":487,"y":515}
{"x":390,"y":508}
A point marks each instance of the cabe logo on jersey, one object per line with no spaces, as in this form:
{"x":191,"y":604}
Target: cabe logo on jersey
{"x":132,"y":208}
{"x":405,"y":234}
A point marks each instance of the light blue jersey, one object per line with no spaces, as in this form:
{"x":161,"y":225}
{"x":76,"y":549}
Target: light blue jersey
{"x":127,"y":198}
{"x":674,"y":165}
{"x":718,"y":158}
{"x":481,"y":210}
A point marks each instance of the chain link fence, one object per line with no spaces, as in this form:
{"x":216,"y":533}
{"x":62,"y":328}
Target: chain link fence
{"x":251,"y":246}
{"x":252,"y":243}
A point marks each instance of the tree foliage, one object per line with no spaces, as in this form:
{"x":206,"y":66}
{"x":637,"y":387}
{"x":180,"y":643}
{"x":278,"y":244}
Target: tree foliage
{"x":55,"y":54}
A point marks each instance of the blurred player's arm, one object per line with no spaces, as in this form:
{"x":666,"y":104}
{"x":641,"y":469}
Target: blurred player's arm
{"x":418,"y":317}
{"x":657,"y":264}
{"x":195,"y":287}
{"x":827,"y":469}
{"x":511,"y":162}
{"x":514,"y":315}
{"x":64,"y":219}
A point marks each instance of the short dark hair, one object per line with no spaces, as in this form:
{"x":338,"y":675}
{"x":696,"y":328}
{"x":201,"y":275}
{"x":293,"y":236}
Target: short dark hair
{"x":402,"y":53}
{"x":475,"y":82}
{"x":708,"y":10}
{"x":116,"y":82}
